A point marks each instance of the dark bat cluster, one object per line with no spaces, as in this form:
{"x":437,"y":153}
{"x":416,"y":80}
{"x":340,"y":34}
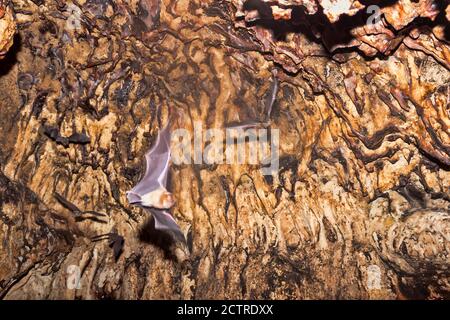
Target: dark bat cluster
{"x":116,"y":241}
{"x":76,"y":138}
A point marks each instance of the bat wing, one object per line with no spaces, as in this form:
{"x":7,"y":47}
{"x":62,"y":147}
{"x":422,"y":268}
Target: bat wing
{"x":157,"y":167}
{"x":270,"y":98}
{"x":165,"y":222}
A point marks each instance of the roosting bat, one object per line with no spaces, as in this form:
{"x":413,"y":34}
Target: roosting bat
{"x":271,"y":97}
{"x":116,"y":242}
{"x":151,"y":191}
{"x":268,"y":103}
{"x":79,"y":214}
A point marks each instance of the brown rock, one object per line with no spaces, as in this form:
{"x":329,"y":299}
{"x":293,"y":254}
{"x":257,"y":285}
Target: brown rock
{"x":7,"y":28}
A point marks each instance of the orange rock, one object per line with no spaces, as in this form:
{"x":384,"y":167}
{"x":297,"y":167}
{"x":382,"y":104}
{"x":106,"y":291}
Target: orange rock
{"x":7,"y":30}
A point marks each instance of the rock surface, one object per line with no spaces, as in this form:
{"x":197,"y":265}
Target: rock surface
{"x":358,"y":209}
{"x":7,"y":28}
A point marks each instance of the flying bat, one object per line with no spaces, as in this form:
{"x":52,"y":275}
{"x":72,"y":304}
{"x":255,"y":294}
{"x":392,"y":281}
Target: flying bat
{"x":151,"y":192}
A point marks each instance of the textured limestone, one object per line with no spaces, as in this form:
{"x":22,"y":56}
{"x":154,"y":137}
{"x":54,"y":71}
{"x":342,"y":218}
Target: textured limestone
{"x":372,"y":28}
{"x":7,"y":28}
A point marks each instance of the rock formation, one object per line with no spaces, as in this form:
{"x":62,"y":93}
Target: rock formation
{"x":7,"y":28}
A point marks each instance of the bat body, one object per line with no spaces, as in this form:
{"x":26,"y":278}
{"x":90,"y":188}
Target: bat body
{"x":151,"y":192}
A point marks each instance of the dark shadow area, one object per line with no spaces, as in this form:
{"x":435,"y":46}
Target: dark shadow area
{"x":441,"y":19}
{"x":80,"y":219}
{"x":317,"y":28}
{"x":158,"y":238}
{"x":115,"y":242}
{"x":10,"y":58}
{"x":310,"y":24}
